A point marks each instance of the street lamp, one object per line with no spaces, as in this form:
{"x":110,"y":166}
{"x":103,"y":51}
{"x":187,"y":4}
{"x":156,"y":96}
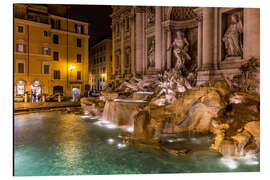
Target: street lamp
{"x":71,"y":67}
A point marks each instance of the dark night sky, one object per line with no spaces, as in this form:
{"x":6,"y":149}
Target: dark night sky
{"x":98,"y":17}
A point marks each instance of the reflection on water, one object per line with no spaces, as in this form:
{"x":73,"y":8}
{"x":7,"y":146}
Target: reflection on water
{"x":58,"y":143}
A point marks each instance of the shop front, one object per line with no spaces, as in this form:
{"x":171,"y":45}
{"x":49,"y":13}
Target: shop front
{"x":20,"y":88}
{"x":36,"y":91}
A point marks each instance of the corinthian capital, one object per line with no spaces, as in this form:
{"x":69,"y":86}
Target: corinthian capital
{"x":140,"y":9}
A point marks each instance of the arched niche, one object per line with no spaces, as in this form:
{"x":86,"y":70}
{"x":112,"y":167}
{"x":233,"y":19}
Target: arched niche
{"x":184,"y":19}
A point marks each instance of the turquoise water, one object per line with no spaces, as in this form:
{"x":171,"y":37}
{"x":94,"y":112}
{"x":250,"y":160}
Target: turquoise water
{"x":59,"y":143}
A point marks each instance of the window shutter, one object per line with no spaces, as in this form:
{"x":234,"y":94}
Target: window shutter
{"x":59,"y":24}
{"x":75,"y":26}
{"x":82,"y":29}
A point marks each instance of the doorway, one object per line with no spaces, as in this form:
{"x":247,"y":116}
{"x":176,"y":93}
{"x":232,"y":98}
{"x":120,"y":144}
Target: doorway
{"x":58,"y":90}
{"x":76,"y":93}
{"x":36,"y":91}
{"x":20,"y":87}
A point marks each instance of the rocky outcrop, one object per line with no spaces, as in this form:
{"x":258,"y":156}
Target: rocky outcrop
{"x":239,"y":124}
{"x":192,"y":111}
{"x":92,"y":106}
{"x":233,"y":117}
{"x":121,"y":113}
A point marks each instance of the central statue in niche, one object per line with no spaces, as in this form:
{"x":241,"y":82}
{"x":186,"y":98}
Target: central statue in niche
{"x":180,"y":47}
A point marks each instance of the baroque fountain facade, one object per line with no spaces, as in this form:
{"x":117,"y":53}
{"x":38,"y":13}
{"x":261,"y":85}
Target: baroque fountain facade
{"x":192,"y":70}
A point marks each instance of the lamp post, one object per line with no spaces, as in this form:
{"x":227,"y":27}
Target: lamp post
{"x":71,"y":67}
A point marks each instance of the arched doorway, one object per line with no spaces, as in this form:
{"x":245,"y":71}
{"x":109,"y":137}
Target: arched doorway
{"x":20,"y":87}
{"x":36,"y":91}
{"x":58,"y":90}
{"x":76,"y":92}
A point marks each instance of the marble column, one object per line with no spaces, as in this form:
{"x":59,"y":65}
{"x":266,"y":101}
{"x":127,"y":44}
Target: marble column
{"x":169,"y":52}
{"x":113,"y":49}
{"x":208,"y":38}
{"x":158,"y":38}
{"x":139,"y":40}
{"x":132,"y":41}
{"x":251,"y":33}
{"x":199,"y":45}
{"x":164,"y":51}
{"x":122,"y":55}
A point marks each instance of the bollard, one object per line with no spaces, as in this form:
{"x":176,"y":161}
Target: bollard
{"x":74,"y":98}
{"x":43,"y":98}
{"x":59,"y":98}
{"x":25,"y":98}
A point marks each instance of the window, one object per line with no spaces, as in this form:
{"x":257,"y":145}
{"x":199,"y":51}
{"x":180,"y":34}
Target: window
{"x":78,"y":28}
{"x":46,"y":33}
{"x":20,"y":67}
{"x":46,"y":51}
{"x":20,"y":29}
{"x":55,"y":39}
{"x":55,"y":23}
{"x":78,"y":75}
{"x":79,"y":58}
{"x":79,"y":42}
{"x":55,"y":56}
{"x":46,"y":69}
{"x":56,"y":74}
{"x":20,"y":47}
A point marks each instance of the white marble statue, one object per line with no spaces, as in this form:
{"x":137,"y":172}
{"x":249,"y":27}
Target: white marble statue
{"x":232,"y":37}
{"x":180,"y":49}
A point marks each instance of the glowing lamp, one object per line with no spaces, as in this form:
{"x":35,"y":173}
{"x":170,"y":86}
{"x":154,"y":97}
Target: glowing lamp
{"x":71,"y":67}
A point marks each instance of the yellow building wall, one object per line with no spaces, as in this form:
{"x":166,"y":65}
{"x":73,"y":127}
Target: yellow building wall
{"x":36,"y":58}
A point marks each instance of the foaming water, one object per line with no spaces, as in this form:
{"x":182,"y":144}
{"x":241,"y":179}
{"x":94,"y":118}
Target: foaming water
{"x":58,"y":143}
{"x":129,"y":100}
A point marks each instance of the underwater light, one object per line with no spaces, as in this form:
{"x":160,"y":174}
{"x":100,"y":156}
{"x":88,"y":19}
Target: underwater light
{"x":229,"y":162}
{"x":104,"y":123}
{"x":111,"y":140}
{"x":251,"y":162}
{"x":121,"y":145}
{"x":130,"y":129}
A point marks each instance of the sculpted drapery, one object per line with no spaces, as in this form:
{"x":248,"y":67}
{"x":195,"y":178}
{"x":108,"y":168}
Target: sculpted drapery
{"x":232,"y":38}
{"x":180,"y":47}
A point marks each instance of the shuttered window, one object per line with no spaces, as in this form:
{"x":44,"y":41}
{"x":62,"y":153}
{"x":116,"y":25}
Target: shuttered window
{"x":46,"y":69}
{"x":56,"y":74}
{"x":20,"y":48}
{"x":78,"y":75}
{"x":20,"y":67}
